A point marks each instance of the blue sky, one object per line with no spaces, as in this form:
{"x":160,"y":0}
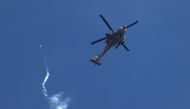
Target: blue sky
{"x":153,"y":75}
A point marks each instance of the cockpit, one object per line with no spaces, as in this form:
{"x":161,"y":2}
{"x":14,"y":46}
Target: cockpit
{"x":123,"y":27}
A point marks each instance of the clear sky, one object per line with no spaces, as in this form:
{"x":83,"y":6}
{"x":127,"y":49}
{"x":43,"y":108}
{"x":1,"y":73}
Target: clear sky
{"x":153,"y":75}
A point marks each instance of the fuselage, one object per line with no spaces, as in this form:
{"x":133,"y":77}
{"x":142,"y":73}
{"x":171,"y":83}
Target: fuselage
{"x":116,"y":37}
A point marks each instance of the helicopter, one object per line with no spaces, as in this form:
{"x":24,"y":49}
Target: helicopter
{"x":115,"y":38}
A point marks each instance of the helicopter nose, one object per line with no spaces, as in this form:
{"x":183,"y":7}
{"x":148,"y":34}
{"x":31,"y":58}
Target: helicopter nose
{"x":123,"y":28}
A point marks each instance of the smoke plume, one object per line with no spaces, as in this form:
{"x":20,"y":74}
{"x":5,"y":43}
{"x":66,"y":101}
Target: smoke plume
{"x":56,"y":101}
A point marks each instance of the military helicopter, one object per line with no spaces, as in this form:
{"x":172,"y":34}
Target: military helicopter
{"x":115,"y":38}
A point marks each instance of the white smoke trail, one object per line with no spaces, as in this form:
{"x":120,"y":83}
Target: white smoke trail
{"x":56,"y":101}
{"x":44,"y":91}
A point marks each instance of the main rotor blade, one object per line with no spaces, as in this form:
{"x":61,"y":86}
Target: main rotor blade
{"x":101,"y":16}
{"x":117,"y":45}
{"x":125,"y":47}
{"x":99,"y":40}
{"x":132,"y":24}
